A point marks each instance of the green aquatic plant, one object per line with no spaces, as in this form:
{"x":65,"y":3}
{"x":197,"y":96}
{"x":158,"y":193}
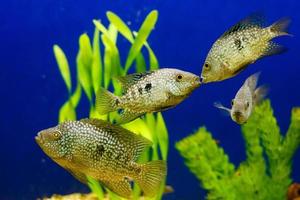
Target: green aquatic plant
{"x":96,"y":68}
{"x":265,"y":174}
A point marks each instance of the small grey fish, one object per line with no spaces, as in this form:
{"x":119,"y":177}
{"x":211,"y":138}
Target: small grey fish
{"x":147,"y":92}
{"x":245,"y":100}
{"x":240,"y":46}
{"x":105,"y":152}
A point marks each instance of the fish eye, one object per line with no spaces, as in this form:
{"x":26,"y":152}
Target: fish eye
{"x":179,"y":77}
{"x":207,"y":66}
{"x":56,"y":135}
{"x":232,"y":102}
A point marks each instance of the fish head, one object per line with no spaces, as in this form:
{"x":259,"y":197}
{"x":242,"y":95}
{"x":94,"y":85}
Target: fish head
{"x":52,"y":141}
{"x":216,"y":65}
{"x":182,"y":83}
{"x":241,"y":109}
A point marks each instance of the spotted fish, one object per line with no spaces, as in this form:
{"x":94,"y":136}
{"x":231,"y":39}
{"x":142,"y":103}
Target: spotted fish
{"x":147,"y":92}
{"x":242,"y":45}
{"x":105,"y":152}
{"x":245,"y":100}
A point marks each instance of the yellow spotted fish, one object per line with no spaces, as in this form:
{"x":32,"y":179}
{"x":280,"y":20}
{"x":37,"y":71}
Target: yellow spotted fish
{"x":240,"y":46}
{"x":105,"y":152}
{"x":147,"y":92}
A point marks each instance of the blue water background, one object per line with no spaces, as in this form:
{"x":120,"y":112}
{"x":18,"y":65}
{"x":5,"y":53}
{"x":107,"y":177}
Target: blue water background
{"x":32,"y":89}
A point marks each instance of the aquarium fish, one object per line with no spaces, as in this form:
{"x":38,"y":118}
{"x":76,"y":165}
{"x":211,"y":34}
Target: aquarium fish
{"x":245,"y":100}
{"x":105,"y":152}
{"x":147,"y":92}
{"x":242,"y":45}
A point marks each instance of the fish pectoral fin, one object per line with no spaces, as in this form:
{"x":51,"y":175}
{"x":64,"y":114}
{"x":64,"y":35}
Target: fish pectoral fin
{"x":220,"y":106}
{"x":78,"y":175}
{"x":128,"y":116}
{"x":121,"y":188}
{"x":274,"y":48}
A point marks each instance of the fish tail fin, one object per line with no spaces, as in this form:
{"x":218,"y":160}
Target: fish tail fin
{"x":151,"y":177}
{"x":260,"y":93}
{"x":280,"y":27}
{"x":106,"y":101}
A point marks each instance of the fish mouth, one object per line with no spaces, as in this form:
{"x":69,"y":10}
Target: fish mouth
{"x":197,"y":81}
{"x":238,"y":117}
{"x":203,"y":79}
{"x":39,"y":138}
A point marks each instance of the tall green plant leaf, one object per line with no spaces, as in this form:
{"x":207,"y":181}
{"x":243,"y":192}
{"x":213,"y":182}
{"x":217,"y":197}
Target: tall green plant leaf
{"x":84,"y":62}
{"x":162,"y":135}
{"x":120,"y":25}
{"x":97,"y":63}
{"x":63,"y":65}
{"x":142,"y":36}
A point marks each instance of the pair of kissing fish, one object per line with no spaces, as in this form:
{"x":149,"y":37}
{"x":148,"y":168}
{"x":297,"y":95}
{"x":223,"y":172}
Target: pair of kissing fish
{"x":108,"y":153}
{"x":159,"y":90}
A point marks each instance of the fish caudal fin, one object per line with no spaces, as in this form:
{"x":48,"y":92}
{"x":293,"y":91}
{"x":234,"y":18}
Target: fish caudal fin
{"x":273,"y":49}
{"x":260,"y":93}
{"x":106,"y":101}
{"x":151,"y":176}
{"x":280,"y":27}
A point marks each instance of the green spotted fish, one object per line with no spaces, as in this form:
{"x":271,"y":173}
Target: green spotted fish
{"x":147,"y":92}
{"x":240,"y":46}
{"x":105,"y":152}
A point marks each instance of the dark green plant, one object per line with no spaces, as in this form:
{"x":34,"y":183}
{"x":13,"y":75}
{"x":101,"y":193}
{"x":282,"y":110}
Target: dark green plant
{"x":266,"y":172}
{"x":96,"y":68}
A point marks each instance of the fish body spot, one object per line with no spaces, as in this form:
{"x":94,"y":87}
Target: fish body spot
{"x":100,"y":150}
{"x":238,"y":44}
{"x":140,"y":90}
{"x":117,"y":102}
{"x":148,"y":87}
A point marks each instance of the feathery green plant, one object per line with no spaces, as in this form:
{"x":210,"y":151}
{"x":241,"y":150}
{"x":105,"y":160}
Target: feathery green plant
{"x":266,"y":172}
{"x":96,"y":68}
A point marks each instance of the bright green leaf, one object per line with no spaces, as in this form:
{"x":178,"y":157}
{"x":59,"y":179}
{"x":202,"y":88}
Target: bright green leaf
{"x":84,"y":62}
{"x":67,"y":112}
{"x":142,"y":36}
{"x":120,"y":25}
{"x":152,"y":58}
{"x":113,"y":33}
{"x":162,"y":135}
{"x":100,"y":27}
{"x":97,"y":63}
{"x":140,"y":63}
{"x":76,"y":95}
{"x":96,"y":187}
{"x":63,"y":65}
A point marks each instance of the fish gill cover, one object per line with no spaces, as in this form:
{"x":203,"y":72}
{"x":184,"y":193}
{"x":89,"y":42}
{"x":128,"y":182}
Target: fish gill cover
{"x":265,"y":174}
{"x":96,"y":68}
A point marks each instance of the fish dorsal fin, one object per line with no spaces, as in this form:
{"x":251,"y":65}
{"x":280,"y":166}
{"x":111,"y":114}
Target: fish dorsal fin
{"x":251,"y":81}
{"x":131,"y":79}
{"x":253,"y":20}
{"x":134,"y":143}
